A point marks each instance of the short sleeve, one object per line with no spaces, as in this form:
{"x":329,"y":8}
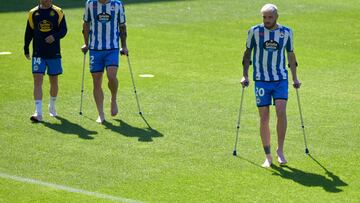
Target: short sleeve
{"x":250,"y":42}
{"x":122,"y":18}
{"x":290,"y":42}
{"x":87,"y":17}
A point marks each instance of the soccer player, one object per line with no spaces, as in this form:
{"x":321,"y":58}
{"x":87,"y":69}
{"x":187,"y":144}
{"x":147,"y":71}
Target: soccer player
{"x":104,"y":24}
{"x":46,"y":25}
{"x":268,"y":42}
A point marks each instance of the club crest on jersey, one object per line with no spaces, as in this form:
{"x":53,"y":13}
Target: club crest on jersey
{"x":52,"y":13}
{"x":112,"y":8}
{"x":45,"y":26}
{"x":36,"y":14}
{"x":104,"y":17}
{"x":271,"y":45}
{"x":282,"y":34}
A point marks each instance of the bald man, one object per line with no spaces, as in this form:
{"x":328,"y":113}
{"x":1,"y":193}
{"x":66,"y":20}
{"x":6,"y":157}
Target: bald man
{"x":268,"y":42}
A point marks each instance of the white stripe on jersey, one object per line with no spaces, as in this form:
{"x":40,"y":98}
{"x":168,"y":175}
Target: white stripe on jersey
{"x":99,"y":33}
{"x":282,"y":69}
{"x":257,"y":63}
{"x":115,"y":40}
{"x":282,"y":58}
{"x":265,"y":55}
{"x":291,"y":40}
{"x":275,"y":55}
{"x":108,"y":28}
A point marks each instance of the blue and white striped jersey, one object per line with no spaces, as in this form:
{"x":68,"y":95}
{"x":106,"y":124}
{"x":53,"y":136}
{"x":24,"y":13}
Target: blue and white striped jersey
{"x":104,"y":22}
{"x":269,"y":52}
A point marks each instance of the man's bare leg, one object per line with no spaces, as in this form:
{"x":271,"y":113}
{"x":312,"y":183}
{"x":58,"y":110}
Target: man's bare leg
{"x":113,"y":86}
{"x":280,"y":105}
{"x":265,"y":134}
{"x":98,"y":95}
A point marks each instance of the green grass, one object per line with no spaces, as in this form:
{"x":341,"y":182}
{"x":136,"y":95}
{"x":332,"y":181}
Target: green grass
{"x":194,"y":49}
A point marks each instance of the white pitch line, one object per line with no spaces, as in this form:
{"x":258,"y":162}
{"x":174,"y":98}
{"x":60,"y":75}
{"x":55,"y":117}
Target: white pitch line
{"x":146,"y":75}
{"x":68,"y":189}
{"x":5,"y":53}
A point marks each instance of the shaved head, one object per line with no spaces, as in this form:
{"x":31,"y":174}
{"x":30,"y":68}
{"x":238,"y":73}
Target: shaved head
{"x":269,"y":13}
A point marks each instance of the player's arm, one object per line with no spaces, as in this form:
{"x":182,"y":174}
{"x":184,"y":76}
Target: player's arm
{"x":122,"y":29}
{"x":62,"y":31}
{"x":292,"y":60}
{"x":85,"y":31}
{"x":86,"y":28}
{"x":293,"y":66}
{"x":62,"y":28}
{"x":123,"y":36}
{"x":246,"y":62}
{"x":29,"y":33}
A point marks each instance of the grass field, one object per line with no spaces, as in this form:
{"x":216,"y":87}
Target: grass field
{"x":194,"y":49}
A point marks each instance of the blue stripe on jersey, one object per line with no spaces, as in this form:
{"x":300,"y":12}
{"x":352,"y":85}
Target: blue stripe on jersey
{"x":112,"y":25}
{"x":269,"y":58}
{"x":253,"y":42}
{"x":88,"y":15}
{"x":280,"y":55}
{"x":103,"y":28}
{"x":95,"y":5}
{"x":122,"y":5}
{"x":261,"y":54}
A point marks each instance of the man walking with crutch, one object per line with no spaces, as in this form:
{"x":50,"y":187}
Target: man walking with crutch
{"x":104,"y":23}
{"x":268,"y":42}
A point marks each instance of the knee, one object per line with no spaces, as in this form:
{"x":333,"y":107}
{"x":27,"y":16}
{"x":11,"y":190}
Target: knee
{"x":112,"y":78}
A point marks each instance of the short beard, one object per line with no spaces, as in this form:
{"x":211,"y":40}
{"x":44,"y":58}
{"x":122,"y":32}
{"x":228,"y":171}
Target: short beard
{"x":271,"y":26}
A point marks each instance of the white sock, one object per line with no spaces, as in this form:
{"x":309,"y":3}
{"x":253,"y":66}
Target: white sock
{"x":52,"y":101}
{"x":38,"y":106}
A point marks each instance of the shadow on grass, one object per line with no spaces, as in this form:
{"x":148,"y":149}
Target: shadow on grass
{"x":144,"y":135}
{"x":67,"y":127}
{"x":26,"y":5}
{"x":329,"y":182}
